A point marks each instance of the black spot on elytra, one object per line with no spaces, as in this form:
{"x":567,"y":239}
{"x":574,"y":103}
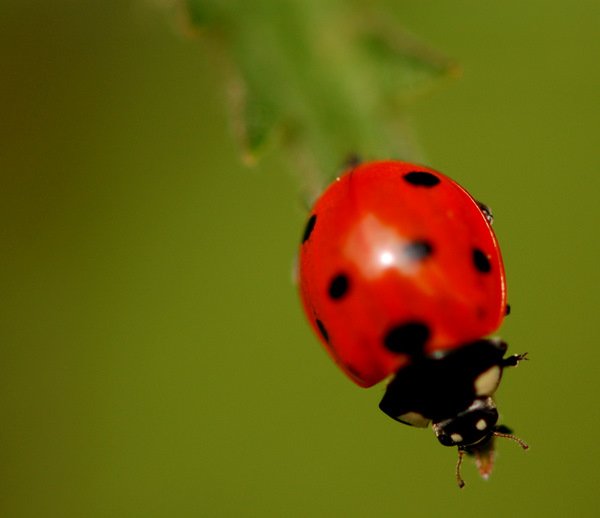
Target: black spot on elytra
{"x":418,"y":250}
{"x":407,"y":338}
{"x":421,"y":179}
{"x":310,"y":225}
{"x":507,"y":310}
{"x":338,"y":287}
{"x":323,"y":331}
{"x":481,"y":262}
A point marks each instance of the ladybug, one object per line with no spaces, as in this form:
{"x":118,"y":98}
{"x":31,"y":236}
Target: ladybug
{"x":401,"y":276}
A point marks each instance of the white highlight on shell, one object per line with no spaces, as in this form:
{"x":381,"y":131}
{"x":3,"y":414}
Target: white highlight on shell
{"x":375,"y":246}
{"x":386,"y":258}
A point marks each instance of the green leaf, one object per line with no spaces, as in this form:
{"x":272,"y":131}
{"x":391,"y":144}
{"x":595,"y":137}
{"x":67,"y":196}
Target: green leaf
{"x":333,"y":77}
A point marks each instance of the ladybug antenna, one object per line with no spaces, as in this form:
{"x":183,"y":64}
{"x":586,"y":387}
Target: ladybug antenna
{"x":510,"y":436}
{"x":459,"y":480}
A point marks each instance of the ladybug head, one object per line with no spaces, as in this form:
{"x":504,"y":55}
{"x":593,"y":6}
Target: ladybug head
{"x":470,"y":426}
{"x":473,"y":431}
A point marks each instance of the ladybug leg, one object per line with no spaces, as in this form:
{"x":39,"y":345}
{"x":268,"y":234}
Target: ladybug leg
{"x":487,"y":211}
{"x":513,"y":361}
{"x":352,"y":160}
{"x":459,"y":479}
{"x":502,"y":347}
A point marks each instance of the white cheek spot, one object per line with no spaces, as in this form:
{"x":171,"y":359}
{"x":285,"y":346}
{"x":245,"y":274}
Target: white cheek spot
{"x":456,"y":437}
{"x":487,"y":381}
{"x":481,"y":425}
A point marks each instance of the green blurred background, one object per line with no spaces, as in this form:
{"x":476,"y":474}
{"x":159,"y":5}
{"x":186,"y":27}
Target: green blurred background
{"x":154,"y":358}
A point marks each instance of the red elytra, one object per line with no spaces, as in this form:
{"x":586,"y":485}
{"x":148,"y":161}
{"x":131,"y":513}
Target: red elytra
{"x":392,"y":245}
